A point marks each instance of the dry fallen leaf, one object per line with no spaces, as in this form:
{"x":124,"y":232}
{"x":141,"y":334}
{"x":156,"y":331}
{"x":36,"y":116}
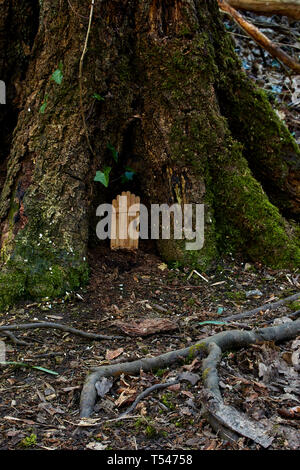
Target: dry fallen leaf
{"x":113,"y":354}
{"x":125,"y":397}
{"x":103,"y":386}
{"x":147,"y":327}
{"x":194,"y":365}
{"x":174,"y":388}
{"x":96,"y":446}
{"x":86,"y":422}
{"x":162,"y":266}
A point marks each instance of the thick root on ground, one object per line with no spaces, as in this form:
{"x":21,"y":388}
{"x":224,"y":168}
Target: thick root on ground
{"x":221,"y":415}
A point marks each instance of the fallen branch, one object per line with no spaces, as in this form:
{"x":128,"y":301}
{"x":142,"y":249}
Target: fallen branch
{"x":269,"y":306}
{"x":57,"y":326}
{"x":259,"y":37}
{"x":224,"y":341}
{"x":289,"y":8}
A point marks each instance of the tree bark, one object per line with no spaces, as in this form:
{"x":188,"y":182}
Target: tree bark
{"x":178,"y":109}
{"x":18,"y":26}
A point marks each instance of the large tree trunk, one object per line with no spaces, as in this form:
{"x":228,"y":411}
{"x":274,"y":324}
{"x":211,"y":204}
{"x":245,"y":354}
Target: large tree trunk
{"x":180,"y":112}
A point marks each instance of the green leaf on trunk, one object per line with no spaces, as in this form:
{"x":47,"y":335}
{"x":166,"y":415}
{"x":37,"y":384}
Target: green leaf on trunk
{"x":57,"y":75}
{"x":44,"y":104}
{"x":98,"y":97}
{"x":128,"y":176}
{"x":113,"y":151}
{"x":43,"y":107}
{"x":103,"y":176}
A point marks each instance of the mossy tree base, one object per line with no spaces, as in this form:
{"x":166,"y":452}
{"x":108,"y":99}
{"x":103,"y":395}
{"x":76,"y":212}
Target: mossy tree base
{"x":173,"y":106}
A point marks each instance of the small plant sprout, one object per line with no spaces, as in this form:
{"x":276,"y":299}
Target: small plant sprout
{"x":57,"y":75}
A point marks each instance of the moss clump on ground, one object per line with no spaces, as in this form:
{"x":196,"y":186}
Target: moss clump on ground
{"x":12,"y":288}
{"x":237,"y":296}
{"x":38,"y":276}
{"x":29,"y":441}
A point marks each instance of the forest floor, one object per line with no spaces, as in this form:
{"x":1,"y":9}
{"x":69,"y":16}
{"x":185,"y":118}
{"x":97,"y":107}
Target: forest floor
{"x":39,"y":410}
{"x":280,"y":83}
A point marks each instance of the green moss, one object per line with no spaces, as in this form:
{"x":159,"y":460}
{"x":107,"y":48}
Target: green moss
{"x":160,"y":372}
{"x":38,"y":274}
{"x":195,"y":350}
{"x":237,"y":296}
{"x":12,"y":288}
{"x":269,"y":148}
{"x":29,"y":441}
{"x":150,"y":431}
{"x":167,"y":401}
{"x":246,"y":219}
{"x":294,"y":306}
{"x":205,"y":373}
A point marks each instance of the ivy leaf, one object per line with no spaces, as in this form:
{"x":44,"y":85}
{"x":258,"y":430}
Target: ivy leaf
{"x":57,"y":75}
{"x":98,"y":97}
{"x":128,"y":176}
{"x":44,"y":104}
{"x":103,"y":176}
{"x":113,"y":151}
{"x":43,"y":107}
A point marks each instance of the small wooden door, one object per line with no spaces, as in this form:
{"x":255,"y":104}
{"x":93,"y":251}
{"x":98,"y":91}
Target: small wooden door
{"x":125,"y":232}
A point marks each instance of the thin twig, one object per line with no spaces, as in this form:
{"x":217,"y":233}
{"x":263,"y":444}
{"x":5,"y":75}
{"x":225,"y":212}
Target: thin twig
{"x":270,"y":306}
{"x":56,"y":326}
{"x":147,"y":392}
{"x":15,"y":340}
{"x":80,"y":77}
{"x":291,"y":316}
{"x":76,"y":12}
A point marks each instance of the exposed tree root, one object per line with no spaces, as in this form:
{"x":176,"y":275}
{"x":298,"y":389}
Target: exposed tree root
{"x":57,"y":326}
{"x":225,"y":420}
{"x":270,"y":306}
{"x":13,"y":339}
{"x":222,"y":415}
{"x":147,"y":392}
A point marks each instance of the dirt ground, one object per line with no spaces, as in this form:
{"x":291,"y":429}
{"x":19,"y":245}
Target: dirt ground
{"x":39,"y":410}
